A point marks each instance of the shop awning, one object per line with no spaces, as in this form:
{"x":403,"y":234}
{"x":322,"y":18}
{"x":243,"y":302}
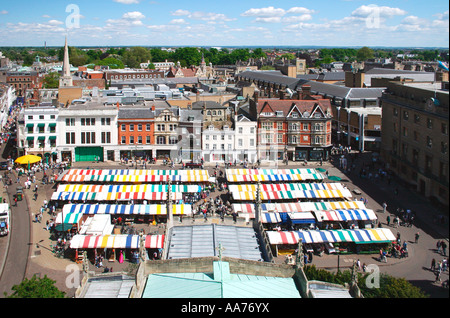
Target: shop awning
{"x":117,"y":241}
{"x":41,"y":125}
{"x":52,"y":125}
{"x":358,"y":236}
{"x":41,"y":138}
{"x":52,"y":137}
{"x":30,"y":125}
{"x":301,"y":217}
{"x":346,"y":215}
{"x":270,"y":218}
{"x":30,"y":138}
{"x":126,"y":209}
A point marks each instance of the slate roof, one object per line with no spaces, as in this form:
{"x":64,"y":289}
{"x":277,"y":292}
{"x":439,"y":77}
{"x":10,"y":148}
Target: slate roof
{"x":339,"y":91}
{"x":134,"y":113}
{"x":285,"y":105}
{"x":267,"y":77}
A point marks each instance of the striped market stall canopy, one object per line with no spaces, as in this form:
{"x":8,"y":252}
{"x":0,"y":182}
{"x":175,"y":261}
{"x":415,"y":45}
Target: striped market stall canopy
{"x":286,"y":187}
{"x":125,"y":209}
{"x":346,"y":215}
{"x":126,"y":188}
{"x":274,"y":178}
{"x":270,"y":171}
{"x":134,"y":176}
{"x":301,"y":217}
{"x":115,"y":241}
{"x":295,"y":194}
{"x":299,"y":206}
{"x":113,"y":196}
{"x":270,"y":218}
{"x":359,"y":236}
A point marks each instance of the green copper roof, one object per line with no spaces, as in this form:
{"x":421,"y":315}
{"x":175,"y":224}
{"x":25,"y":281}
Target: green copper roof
{"x":219,"y":284}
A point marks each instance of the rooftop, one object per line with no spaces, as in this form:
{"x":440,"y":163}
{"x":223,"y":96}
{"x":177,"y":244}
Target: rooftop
{"x":219,"y":284}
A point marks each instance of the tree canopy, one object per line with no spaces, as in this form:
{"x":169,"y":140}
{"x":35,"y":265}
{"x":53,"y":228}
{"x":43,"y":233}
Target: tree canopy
{"x":36,"y":288}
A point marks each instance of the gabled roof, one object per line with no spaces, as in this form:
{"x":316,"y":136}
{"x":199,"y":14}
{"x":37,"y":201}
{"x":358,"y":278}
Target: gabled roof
{"x":286,"y":105}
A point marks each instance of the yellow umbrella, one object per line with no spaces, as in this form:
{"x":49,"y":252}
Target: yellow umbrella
{"x":27,"y":159}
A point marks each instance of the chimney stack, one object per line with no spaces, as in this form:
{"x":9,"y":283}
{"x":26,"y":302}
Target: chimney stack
{"x":306,"y":91}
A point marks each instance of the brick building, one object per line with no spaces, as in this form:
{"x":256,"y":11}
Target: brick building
{"x":415,"y":136}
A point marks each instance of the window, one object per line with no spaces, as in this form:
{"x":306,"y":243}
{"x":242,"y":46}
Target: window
{"x":70,"y":121}
{"x":52,"y":116}
{"x":30,"y":117}
{"x":70,"y":138}
{"x":444,"y":129}
{"x":240,"y":143}
{"x":444,"y":148}
{"x":214,"y":137}
{"x":252,"y":130}
{"x":252,"y":142}
{"x":147,"y":140}
{"x":280,"y":138}
{"x":416,"y":136}
{"x":416,"y":118}
{"x":161,"y":140}
{"x":214,"y":146}
{"x":41,"y":116}
{"x":222,"y":146}
{"x":139,"y":140}
{"x":405,"y":115}
{"x":429,"y":123}
{"x":305,"y":126}
{"x":88,"y":137}
{"x":106,"y":121}
{"x":241,"y":130}
{"x":405,"y":131}
{"x":106,"y":137}
{"x":173,"y":140}
{"x":222,"y":137}
{"x":266,"y":125}
{"x":147,"y":127}
{"x":123,"y":127}
{"x":429,"y":142}
{"x":123,"y":140}
{"x":131,"y":127}
{"x":207,"y":146}
{"x":207,"y":137}
{"x":139,"y":127}
{"x":395,"y":112}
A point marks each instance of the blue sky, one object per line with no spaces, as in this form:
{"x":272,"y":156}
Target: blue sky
{"x":411,"y":23}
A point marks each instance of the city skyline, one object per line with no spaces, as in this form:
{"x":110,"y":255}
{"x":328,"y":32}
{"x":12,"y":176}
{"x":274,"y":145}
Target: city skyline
{"x":405,"y":23}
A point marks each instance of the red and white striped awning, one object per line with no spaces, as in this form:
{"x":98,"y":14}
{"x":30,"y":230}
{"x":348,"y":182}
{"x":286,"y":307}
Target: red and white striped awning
{"x":115,"y":241}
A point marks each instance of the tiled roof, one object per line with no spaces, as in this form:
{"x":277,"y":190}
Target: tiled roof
{"x":285,"y":105}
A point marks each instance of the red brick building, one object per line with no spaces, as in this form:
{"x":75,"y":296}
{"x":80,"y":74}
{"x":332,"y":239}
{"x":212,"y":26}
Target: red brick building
{"x":294,"y":129}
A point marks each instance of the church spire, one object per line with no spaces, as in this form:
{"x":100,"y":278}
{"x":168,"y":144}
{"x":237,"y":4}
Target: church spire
{"x":66,"y":78}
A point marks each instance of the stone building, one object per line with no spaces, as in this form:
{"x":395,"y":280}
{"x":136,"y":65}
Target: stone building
{"x":414,"y":141}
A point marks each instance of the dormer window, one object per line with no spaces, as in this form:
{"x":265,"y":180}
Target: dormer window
{"x":266,"y":114}
{"x":294,"y":115}
{"x":279,"y":113}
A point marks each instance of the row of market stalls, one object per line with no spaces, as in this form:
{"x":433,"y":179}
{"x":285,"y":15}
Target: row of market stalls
{"x":134,"y":176}
{"x":323,"y":214}
{"x":93,"y":200}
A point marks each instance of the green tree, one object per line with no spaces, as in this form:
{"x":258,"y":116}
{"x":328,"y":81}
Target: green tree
{"x":51,"y":80}
{"x":364,"y":53}
{"x":36,"y":288}
{"x":112,"y":62}
{"x":135,"y":56}
{"x":288,"y":56}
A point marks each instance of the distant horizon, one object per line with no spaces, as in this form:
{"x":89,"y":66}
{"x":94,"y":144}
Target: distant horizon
{"x":250,"y":23}
{"x":236,"y":46}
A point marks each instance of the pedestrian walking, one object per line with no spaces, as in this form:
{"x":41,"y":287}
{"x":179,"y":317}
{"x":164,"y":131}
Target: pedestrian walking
{"x":444,"y":248}
{"x":384,"y":207}
{"x":433,"y":265}
{"x":417,"y":237}
{"x":388,"y":220}
{"x":438,"y":246}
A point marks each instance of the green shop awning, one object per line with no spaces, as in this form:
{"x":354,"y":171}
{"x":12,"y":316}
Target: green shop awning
{"x":30,"y":125}
{"x":52,"y":137}
{"x":52,"y":125}
{"x":41,"y":138}
{"x":41,"y":125}
{"x":30,"y":138}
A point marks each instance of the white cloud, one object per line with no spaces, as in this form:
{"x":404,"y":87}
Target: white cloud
{"x":208,"y":16}
{"x":268,"y":20}
{"x":181,"y":12}
{"x":135,"y":15}
{"x":300,"y":10}
{"x":46,"y":16}
{"x":127,"y":1}
{"x":55,"y":22}
{"x":294,"y":19}
{"x":365,"y":11}
{"x":264,"y":12}
{"x":414,"y":20}
{"x":3,"y":12}
{"x":177,"y":21}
